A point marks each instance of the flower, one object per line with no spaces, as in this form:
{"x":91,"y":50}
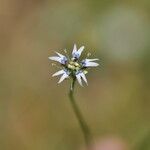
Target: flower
{"x":60,"y":58}
{"x":73,"y":68}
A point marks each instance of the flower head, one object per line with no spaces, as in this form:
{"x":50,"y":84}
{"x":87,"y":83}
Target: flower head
{"x":73,"y":68}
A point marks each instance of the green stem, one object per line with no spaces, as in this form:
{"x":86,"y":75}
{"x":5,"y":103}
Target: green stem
{"x":78,"y":114}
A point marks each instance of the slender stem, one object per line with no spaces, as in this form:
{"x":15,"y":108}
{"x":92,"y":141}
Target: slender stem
{"x":82,"y":123}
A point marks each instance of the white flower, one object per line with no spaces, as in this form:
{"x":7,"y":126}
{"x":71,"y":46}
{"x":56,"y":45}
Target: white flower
{"x":80,"y":75}
{"x":73,"y":68}
{"x":60,"y":58}
{"x":64,"y":73}
{"x":90,"y":63}
{"x":77,"y":53}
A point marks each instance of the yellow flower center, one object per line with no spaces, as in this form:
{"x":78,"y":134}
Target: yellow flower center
{"x":73,"y":65}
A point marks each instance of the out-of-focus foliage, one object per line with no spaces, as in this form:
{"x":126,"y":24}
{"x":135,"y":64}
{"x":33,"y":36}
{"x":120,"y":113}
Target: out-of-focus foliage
{"x":35,"y":112}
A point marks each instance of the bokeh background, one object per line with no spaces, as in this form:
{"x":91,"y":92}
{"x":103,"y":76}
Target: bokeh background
{"x":35,"y":112}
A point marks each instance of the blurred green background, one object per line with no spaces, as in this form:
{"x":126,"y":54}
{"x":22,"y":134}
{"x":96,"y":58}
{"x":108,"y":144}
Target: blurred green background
{"x":35,"y":113}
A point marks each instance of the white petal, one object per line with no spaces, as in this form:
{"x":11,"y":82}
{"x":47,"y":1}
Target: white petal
{"x":60,"y":55}
{"x":74,"y":49}
{"x":89,"y":60}
{"x":80,"y":50}
{"x":79,"y":79}
{"x":58,"y":73}
{"x":84,"y":77}
{"x":63,"y":77}
{"x":91,"y":64}
{"x":55,"y":58}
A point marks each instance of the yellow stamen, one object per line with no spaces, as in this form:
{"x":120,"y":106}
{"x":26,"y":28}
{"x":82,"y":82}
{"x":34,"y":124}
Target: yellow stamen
{"x":85,"y":71}
{"x":71,"y":67}
{"x":76,"y":64}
